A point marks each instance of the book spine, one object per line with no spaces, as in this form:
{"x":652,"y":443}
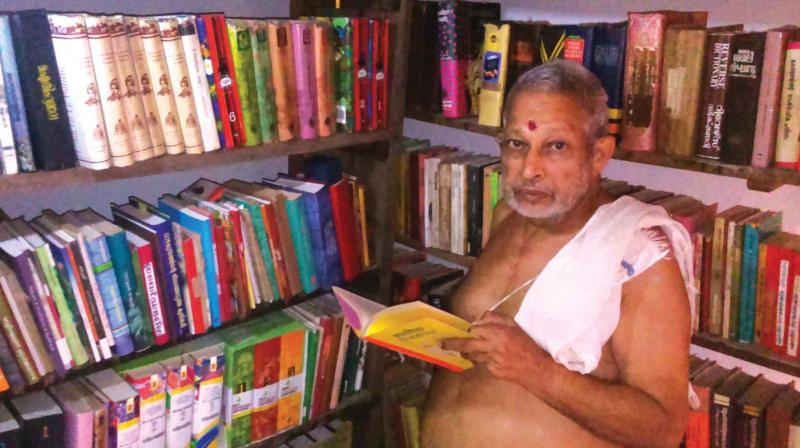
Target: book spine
{"x":10,"y":374}
{"x":180,"y":85}
{"x":139,"y":325}
{"x":263,"y":75}
{"x":152,"y":408}
{"x":250,"y":243}
{"x":51,"y":313}
{"x":427,"y":187}
{"x":180,"y":405}
{"x":717,"y":270}
{"x":642,"y":84}
{"x":382,"y":76}
{"x":609,"y":65}
{"x":769,"y":294}
{"x":228,"y":80}
{"x":495,"y":66}
{"x":729,"y":266}
{"x":176,"y":303}
{"x":165,"y":99}
{"x":266,"y":368}
{"x":344,"y":225}
{"x":284,"y":254}
{"x":109,"y":91}
{"x":241,"y":42}
{"x":192,"y":284}
{"x":109,"y":290}
{"x":303,"y":47}
{"x":292,"y":379}
{"x":208,"y":377}
{"x":330,"y":243}
{"x":208,"y":50}
{"x":140,"y":64}
{"x":8,"y":152}
{"x":225,"y":274}
{"x":365,"y":73}
{"x":748,"y":282}
{"x":715,"y":87}
{"x":445,"y":208}
{"x":358,"y":65}
{"x":13,"y":330}
{"x":239,"y":262}
{"x":14,"y":98}
{"x":296,"y":211}
{"x":281,"y":57}
{"x":343,"y":73}
{"x":452,"y":69}
{"x":315,"y":229}
{"x":324,"y":79}
{"x":374,"y":55}
{"x":199,"y":83}
{"x":129,"y":90}
{"x":238,"y":395}
{"x":80,"y":266}
{"x":474,"y":219}
{"x":152,"y":290}
{"x":24,"y":321}
{"x":769,"y":98}
{"x":47,"y":116}
{"x":786,"y":149}
{"x":793,"y":309}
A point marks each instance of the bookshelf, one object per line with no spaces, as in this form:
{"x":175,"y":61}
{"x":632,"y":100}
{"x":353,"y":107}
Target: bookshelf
{"x":758,"y":179}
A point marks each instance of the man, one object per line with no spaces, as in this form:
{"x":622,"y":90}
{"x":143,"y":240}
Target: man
{"x":554,"y":147}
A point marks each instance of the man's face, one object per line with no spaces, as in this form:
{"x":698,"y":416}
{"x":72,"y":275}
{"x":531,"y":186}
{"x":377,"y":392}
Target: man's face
{"x":548,"y":159}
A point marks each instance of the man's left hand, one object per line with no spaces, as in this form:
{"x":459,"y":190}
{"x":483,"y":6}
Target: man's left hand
{"x":500,"y":346}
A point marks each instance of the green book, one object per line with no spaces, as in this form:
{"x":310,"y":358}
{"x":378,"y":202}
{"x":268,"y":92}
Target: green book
{"x":242,"y":53}
{"x":267,"y":111}
{"x":301,"y":238}
{"x":343,"y":72}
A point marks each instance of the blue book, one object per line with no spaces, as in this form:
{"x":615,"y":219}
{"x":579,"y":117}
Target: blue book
{"x":16,"y":107}
{"x":103,"y":268}
{"x":158,"y":230}
{"x":608,"y":63}
{"x":322,"y":168}
{"x":180,"y":211}
{"x":754,"y":231}
{"x":320,"y":224}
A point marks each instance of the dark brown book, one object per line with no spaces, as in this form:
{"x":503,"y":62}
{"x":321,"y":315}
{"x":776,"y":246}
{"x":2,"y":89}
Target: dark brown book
{"x":415,"y":280}
{"x":698,"y":366}
{"x":424,"y":88}
{"x":749,"y":412}
{"x":714,"y":89}
{"x":741,"y":101}
{"x":698,"y":427}
{"x":722,"y":416}
{"x":522,"y":50}
{"x":779,"y":417}
{"x":648,"y":196}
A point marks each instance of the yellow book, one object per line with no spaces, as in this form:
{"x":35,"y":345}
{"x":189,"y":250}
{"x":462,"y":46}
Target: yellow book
{"x":495,"y":63}
{"x":415,"y":329}
{"x":292,"y":378}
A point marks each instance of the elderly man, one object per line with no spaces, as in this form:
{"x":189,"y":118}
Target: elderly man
{"x":633,"y":391}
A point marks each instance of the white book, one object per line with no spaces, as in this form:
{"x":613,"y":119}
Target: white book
{"x":787,"y":149}
{"x":75,"y":68}
{"x":429,"y":174}
{"x":180,"y":396}
{"x":180,"y":84}
{"x":8,"y":152}
{"x":109,"y":90}
{"x":129,"y":83}
{"x":456,"y":209}
{"x":145,"y":85}
{"x":162,"y":90}
{"x":199,"y":82}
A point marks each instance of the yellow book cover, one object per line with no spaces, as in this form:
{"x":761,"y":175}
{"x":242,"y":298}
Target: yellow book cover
{"x":292,"y":379}
{"x":415,"y":329}
{"x":495,"y":63}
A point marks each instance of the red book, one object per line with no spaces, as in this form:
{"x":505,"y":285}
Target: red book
{"x":375,"y":57}
{"x":193,"y":285}
{"x":383,"y":76}
{"x":239,"y":263}
{"x":793,"y":307}
{"x":143,"y":251}
{"x":698,"y":427}
{"x":266,"y":374}
{"x":225,"y":79}
{"x":775,"y":292}
{"x":276,"y":246}
{"x":344,"y":225}
{"x":358,"y":63}
{"x":364,"y":66}
{"x":224,"y":272}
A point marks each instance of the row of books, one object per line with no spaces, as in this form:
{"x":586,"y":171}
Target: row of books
{"x":415,"y":277}
{"x":674,"y":85}
{"x":103,"y":91}
{"x":738,"y":409}
{"x":78,"y":289}
{"x":448,"y":196}
{"x":231,"y":388}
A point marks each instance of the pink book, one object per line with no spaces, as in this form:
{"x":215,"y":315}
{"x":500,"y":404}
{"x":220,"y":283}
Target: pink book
{"x":303,"y":49}
{"x":769,"y":99}
{"x":79,"y":406}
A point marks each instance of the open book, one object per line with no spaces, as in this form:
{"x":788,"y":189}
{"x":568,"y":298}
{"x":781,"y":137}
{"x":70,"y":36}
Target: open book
{"x":415,"y":329}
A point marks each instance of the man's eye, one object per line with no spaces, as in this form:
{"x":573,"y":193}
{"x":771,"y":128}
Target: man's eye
{"x":514,"y":144}
{"x":558,"y":145}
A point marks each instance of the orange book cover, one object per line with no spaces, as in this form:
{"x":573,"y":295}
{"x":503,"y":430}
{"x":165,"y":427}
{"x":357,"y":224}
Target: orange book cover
{"x":266,"y":376}
{"x":292,"y":379}
{"x":282,"y":58}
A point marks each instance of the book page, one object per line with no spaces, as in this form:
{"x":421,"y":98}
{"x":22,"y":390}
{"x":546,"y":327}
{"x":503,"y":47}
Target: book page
{"x":358,"y":310}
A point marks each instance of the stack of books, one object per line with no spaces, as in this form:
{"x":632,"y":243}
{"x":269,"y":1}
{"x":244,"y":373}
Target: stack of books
{"x":241,"y":385}
{"x":111,"y":90}
{"x":77,"y":288}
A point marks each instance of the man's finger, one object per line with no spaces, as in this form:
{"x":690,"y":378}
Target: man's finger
{"x":465,"y":345}
{"x":493,"y":318}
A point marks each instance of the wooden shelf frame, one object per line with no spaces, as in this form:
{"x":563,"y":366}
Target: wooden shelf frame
{"x":759,"y":179}
{"x":48,"y":180}
{"x":748,"y":352}
{"x":461,"y":260}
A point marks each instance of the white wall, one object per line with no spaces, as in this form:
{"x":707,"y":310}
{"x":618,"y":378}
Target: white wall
{"x":706,"y":187}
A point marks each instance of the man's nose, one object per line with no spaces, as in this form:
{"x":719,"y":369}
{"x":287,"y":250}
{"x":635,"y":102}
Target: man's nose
{"x":534,"y":167}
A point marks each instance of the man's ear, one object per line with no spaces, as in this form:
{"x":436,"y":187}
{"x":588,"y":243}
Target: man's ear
{"x":603,"y":149}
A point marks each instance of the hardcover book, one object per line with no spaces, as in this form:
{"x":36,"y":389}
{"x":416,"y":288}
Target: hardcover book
{"x":495,"y":66}
{"x":608,"y":63}
{"x":714,"y":91}
{"x":787,"y":150}
{"x":209,"y":368}
{"x":241,"y":42}
{"x":262,"y":64}
{"x":324,"y":78}
{"x":41,"y":419}
{"x":343,"y":72}
{"x":14,"y":98}
{"x":180,"y":400}
{"x":283,"y":69}
{"x":453,"y":56}
{"x":305,"y":77}
{"x":150,"y":383}
{"x":522,"y":47}
{"x":122,"y":403}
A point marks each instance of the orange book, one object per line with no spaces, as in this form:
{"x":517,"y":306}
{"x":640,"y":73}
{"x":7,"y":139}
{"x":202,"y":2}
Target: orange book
{"x":292,"y":379}
{"x":282,"y":58}
{"x":266,"y":376}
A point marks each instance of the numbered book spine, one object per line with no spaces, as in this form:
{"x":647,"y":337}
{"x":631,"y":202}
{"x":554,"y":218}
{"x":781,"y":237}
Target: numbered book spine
{"x":205,"y":34}
{"x":226,"y":80}
{"x":48,"y":119}
{"x":343,"y":72}
{"x":199,"y":83}
{"x":13,"y":92}
{"x":145,"y":85}
{"x":302,"y":45}
{"x":324,"y":78}
{"x":264,"y":86}
{"x":8,"y":153}
{"x":241,"y":43}
{"x":158,"y":77}
{"x":280,"y":50}
{"x":180,"y":85}
{"x":108,"y":91}
{"x":71,"y":45}
{"x":129,"y":84}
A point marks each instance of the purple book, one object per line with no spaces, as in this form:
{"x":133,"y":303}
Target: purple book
{"x":303,"y":48}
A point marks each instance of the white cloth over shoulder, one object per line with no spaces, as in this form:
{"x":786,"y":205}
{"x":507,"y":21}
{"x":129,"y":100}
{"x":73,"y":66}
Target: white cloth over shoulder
{"x":573,"y":307}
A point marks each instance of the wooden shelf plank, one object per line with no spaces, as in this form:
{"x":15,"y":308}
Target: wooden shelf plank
{"x":760,"y":179}
{"x":463,"y":260}
{"x":748,"y":352}
{"x":44,"y":180}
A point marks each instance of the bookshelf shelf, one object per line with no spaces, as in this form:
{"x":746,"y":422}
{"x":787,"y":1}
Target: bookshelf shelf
{"x":463,"y":260}
{"x":45,"y":180}
{"x":748,"y":352}
{"x":760,"y":179}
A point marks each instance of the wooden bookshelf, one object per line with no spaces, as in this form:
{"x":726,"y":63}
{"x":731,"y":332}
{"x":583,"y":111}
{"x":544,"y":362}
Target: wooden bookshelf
{"x":748,"y":352}
{"x":44,"y":180}
{"x":759,"y":179}
{"x":462,"y":260}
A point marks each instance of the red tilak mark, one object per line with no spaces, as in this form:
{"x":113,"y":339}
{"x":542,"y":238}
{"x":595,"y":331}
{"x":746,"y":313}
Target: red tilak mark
{"x":531,"y":125}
